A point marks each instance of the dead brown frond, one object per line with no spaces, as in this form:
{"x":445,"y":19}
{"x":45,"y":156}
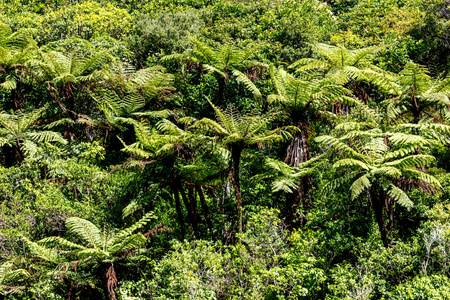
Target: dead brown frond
{"x":410,"y":184}
{"x":112,"y":282}
{"x":157,"y":229}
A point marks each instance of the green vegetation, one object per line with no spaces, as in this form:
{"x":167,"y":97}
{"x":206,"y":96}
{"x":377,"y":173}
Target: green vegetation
{"x":224,"y":149}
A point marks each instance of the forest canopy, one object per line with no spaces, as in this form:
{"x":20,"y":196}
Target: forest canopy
{"x":224,"y":149}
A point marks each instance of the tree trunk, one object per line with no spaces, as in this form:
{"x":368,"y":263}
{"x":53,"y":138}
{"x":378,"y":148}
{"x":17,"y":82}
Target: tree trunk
{"x":298,"y":149}
{"x":189,"y":211}
{"x":13,"y":155}
{"x":236,"y":152}
{"x":193,"y":205}
{"x":176,"y":196}
{"x":10,"y":156}
{"x":17,"y":97}
{"x":415,"y":110}
{"x":221,"y":90}
{"x":416,"y":116}
{"x":377,"y":205}
{"x":390,"y":211}
{"x":205,"y":210}
{"x":298,"y":153}
{"x":294,"y":200}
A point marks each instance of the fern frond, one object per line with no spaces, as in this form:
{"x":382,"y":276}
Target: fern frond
{"x":412,"y":161}
{"x":422,"y":176}
{"x":399,"y":153}
{"x":88,"y":231}
{"x":350,"y":163}
{"x":128,"y":231}
{"x":46,"y":136}
{"x":242,"y":78}
{"x":335,"y":184}
{"x":160,"y":114}
{"x":359,"y":185}
{"x":130,"y":242}
{"x":387,"y":171}
{"x":287,"y":185}
{"x":56,"y":240}
{"x":399,"y":196}
{"x":60,"y":122}
{"x":403,"y":139}
{"x":44,"y":253}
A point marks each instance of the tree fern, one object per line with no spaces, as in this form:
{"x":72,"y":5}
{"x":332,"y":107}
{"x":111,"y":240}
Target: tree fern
{"x":376,"y":161}
{"x":421,"y":96}
{"x":222,"y":62}
{"x":88,"y":231}
{"x":104,"y":246}
{"x":236,"y":133}
{"x":342,"y":65}
{"x":20,"y":132}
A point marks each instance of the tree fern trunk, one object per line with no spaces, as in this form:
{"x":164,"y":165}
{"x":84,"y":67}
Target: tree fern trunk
{"x":234,"y":174}
{"x":10,"y":154}
{"x":176,"y":196}
{"x":189,"y":211}
{"x":193,"y":206}
{"x":18,"y":101}
{"x":221,"y":90}
{"x":390,"y":211}
{"x":377,"y":206}
{"x":298,"y":149}
{"x":205,"y":210}
{"x":416,"y":116}
{"x":298,"y":153}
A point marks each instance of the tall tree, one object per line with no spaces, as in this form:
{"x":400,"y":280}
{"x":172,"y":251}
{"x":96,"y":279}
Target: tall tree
{"x":65,"y":74}
{"x":382,"y":163}
{"x":342,"y":65}
{"x":238,"y":132}
{"x":175,"y":150}
{"x":303,"y":101}
{"x":104,"y":247}
{"x":222,"y":62}
{"x":421,"y":97}
{"x":15,"y":50}
{"x":20,"y":135}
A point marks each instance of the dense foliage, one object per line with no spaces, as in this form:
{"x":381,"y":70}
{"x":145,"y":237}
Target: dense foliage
{"x":224,"y":149}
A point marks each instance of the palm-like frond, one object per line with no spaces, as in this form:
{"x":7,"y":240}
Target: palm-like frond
{"x":285,"y":178}
{"x":19,"y":129}
{"x":242,"y":78}
{"x":341,"y":65}
{"x":336,"y":183}
{"x":128,"y":231}
{"x":421,"y":96}
{"x":128,"y":95}
{"x":360,"y":185}
{"x":423,"y":177}
{"x":306,"y":97}
{"x":350,"y":163}
{"x":376,"y":159}
{"x":237,"y":129}
{"x":223,"y":61}
{"x":88,"y":231}
{"x":59,"y":241}
{"x":403,"y":139}
{"x":416,"y":77}
{"x":103,"y":245}
{"x":9,"y":275}
{"x":412,"y":161}
{"x":134,"y":241}
{"x":61,"y":69}
{"x":45,"y":136}
{"x":44,"y":253}
{"x":399,"y":196}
